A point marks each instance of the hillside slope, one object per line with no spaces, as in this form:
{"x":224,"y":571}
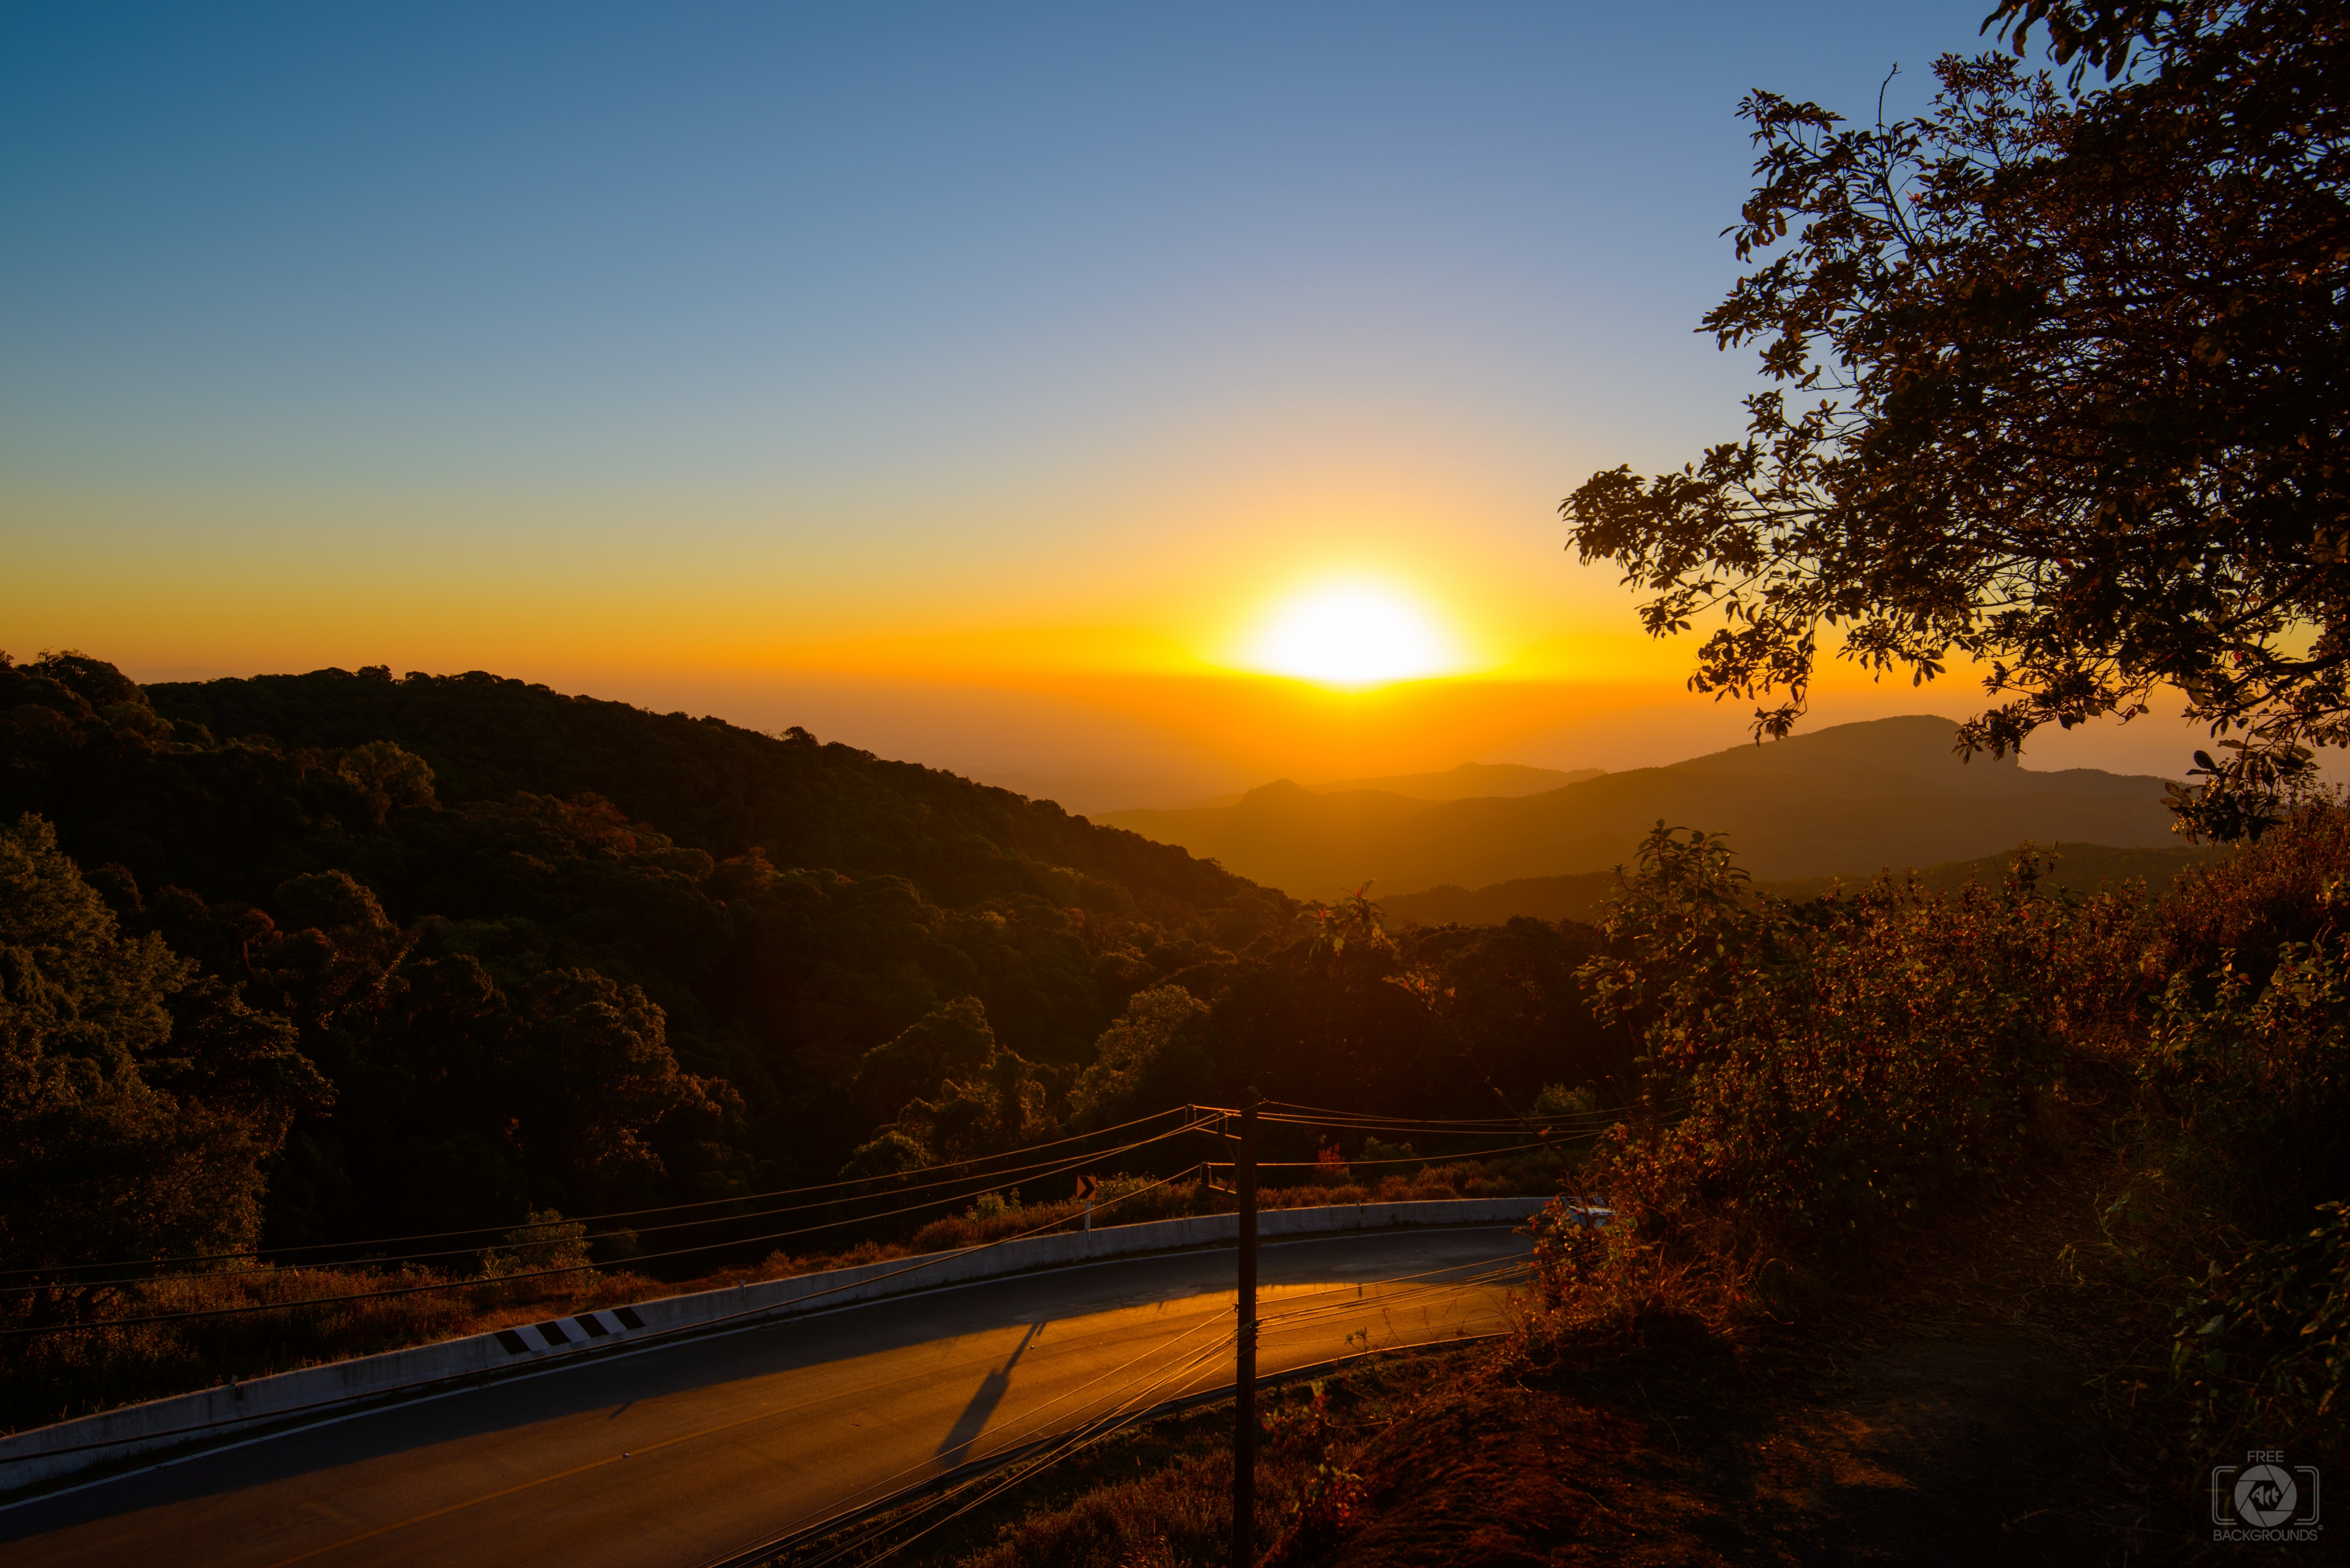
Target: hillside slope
{"x":705,"y":783}
{"x":1469,"y":781}
{"x":450,"y":950}
{"x":2081,"y":867}
{"x":1844,"y":801}
{"x":519,"y":951}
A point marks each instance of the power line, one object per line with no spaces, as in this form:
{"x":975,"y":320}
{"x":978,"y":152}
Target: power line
{"x":1580,"y":1123}
{"x":1006,"y":1445}
{"x":501,"y":1230}
{"x":476,"y":1283}
{"x":1438,"y":1127}
{"x":1092,"y":1432}
{"x":1066,"y":1446}
{"x":1397,"y":1159}
{"x":1427,"y":1287}
{"x":1440,"y":1130}
{"x":985,"y":1180}
{"x":637,"y":1341}
{"x":1277,"y":1107}
{"x":975,"y":1181}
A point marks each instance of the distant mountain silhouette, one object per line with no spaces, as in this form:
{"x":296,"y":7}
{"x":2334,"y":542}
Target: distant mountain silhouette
{"x":1469,"y":781}
{"x":2081,"y":866}
{"x":1843,"y":801}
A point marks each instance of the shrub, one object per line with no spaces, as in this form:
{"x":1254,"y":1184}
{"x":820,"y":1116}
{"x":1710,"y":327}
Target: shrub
{"x":1818,"y":1073}
{"x":547,"y":1241}
{"x":2263,"y":1343}
{"x":2244,"y":1088}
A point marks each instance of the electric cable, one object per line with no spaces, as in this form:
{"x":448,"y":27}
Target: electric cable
{"x":476,"y":1283}
{"x":640,"y":1341}
{"x":977,"y":1181}
{"x":1013,"y":1441}
{"x":1397,"y":1159}
{"x":1065,"y":1447}
{"x":1012,"y":1477}
{"x":1294,"y":1105}
{"x":1430,"y":1282}
{"x":617,"y":1214}
{"x":1080,"y":1438}
{"x":984,"y":1181}
{"x":1291,"y":1320}
{"x":1432,"y":1126}
{"x":1437,"y":1130}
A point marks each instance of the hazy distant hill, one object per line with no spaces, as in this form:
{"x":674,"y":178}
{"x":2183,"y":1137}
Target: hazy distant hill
{"x":1468,"y":781}
{"x":2082,"y":867}
{"x":1847,"y":801}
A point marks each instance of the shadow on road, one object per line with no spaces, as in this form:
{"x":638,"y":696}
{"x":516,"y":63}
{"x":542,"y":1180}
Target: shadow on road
{"x":992,"y":1390}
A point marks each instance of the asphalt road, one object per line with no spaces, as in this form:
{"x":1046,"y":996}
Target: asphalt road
{"x":671,"y":1457}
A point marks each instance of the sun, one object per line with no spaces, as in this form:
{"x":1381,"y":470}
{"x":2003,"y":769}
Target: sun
{"x":1353,"y":634}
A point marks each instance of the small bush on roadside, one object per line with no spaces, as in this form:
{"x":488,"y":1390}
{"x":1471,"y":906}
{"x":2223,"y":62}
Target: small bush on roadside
{"x":1821,"y":1074}
{"x":546,"y":1240}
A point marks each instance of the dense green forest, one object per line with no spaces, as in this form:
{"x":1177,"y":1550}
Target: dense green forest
{"x":319,"y":958}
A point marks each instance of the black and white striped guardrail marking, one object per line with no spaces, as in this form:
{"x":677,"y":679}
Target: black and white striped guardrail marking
{"x":558,"y":1333}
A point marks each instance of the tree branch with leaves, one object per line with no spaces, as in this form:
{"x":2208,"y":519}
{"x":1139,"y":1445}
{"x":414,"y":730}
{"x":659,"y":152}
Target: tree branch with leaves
{"x":2057,"y":385}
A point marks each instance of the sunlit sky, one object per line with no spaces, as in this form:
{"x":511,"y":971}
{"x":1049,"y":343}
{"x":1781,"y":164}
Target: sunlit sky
{"x":994,"y":385}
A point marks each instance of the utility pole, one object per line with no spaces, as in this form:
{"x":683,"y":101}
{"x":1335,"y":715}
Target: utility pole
{"x":1244,"y":1381}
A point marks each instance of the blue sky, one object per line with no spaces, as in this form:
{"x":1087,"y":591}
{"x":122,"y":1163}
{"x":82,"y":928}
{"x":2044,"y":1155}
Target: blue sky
{"x":425,"y":244}
{"x":771,"y":350}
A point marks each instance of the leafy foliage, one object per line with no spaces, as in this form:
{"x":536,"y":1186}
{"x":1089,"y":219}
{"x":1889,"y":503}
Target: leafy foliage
{"x":2247,"y":1076}
{"x":2056,"y":381}
{"x":1824,"y":1074}
{"x":524,"y":997}
{"x":138,"y":1103}
{"x":2273,"y":1354}
{"x":1823,"y":1077}
{"x":1154,"y":1056}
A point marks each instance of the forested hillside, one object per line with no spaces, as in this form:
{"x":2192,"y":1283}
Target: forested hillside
{"x":339,"y":955}
{"x":2081,"y":867}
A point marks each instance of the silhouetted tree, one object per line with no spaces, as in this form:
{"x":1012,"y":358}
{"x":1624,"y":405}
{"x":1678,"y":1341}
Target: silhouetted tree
{"x":2058,"y":380}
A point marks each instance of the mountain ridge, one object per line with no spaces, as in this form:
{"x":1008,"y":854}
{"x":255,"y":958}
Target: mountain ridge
{"x":1847,"y":800}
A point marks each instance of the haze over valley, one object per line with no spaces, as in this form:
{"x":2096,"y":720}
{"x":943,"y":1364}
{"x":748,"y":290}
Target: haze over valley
{"x":1848,"y":800}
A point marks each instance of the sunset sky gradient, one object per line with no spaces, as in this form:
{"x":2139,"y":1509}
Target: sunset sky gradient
{"x":973,"y":383}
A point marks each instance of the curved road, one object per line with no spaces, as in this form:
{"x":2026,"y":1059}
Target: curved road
{"x":672,"y":1456}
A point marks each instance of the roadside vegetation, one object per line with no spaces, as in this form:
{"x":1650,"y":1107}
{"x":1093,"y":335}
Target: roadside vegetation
{"x":211,"y":1330}
{"x":307,"y":1014}
{"x":1858,"y":1069}
{"x":2088,"y":1144}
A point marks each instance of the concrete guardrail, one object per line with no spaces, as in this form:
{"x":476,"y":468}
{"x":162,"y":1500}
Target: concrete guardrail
{"x":44,"y":1454}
